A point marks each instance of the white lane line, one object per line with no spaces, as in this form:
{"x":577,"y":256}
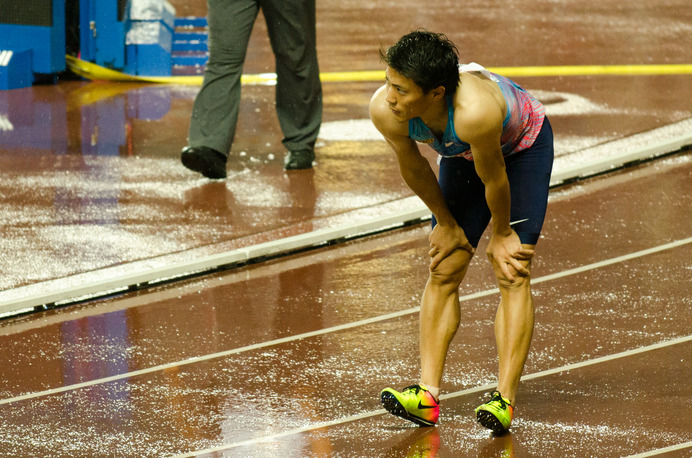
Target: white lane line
{"x":25,"y":299}
{"x":661,"y":451}
{"x":121,"y":281}
{"x":456,"y":394}
{"x":616,"y":260}
{"x":333,"y":329}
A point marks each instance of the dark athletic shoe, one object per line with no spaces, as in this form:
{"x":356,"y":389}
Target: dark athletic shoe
{"x":205,"y":160}
{"x":297,"y":160}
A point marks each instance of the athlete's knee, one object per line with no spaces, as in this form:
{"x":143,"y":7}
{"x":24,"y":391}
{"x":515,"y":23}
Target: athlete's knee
{"x":451,"y":270}
{"x":519,"y":280}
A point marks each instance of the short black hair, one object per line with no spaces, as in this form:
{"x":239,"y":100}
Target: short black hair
{"x":429,"y":59}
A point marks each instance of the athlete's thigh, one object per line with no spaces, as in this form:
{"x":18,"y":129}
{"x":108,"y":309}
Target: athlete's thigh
{"x":528,"y":173}
{"x":464,"y":194}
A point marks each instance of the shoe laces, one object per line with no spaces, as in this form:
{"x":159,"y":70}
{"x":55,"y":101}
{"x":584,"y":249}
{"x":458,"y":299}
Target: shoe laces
{"x":495,"y":396}
{"x":414,"y":388}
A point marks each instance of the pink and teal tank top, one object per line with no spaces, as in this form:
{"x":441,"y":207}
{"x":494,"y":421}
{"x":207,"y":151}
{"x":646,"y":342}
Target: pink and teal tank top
{"x":520,"y":128}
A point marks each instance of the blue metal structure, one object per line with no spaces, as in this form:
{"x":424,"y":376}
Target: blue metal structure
{"x":36,"y":27}
{"x":102,"y":32}
{"x":139,"y":37}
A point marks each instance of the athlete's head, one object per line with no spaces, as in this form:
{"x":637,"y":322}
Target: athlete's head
{"x":428,"y":59}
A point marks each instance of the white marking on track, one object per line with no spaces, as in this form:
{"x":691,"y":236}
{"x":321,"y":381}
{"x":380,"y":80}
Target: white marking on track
{"x":389,"y":316}
{"x":661,"y":451}
{"x":567,"y":104}
{"x":351,"y":418}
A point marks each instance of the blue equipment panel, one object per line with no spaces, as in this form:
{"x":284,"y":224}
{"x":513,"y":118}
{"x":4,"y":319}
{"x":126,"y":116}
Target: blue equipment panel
{"x":102,"y":32}
{"x":37,"y":26}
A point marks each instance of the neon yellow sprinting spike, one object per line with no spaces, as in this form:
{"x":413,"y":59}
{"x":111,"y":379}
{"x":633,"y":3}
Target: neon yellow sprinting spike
{"x":92,"y":71}
{"x":414,"y":403}
{"x":495,"y":414}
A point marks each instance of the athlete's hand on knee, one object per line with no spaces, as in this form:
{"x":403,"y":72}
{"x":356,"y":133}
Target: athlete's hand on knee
{"x":444,"y":239}
{"x":506,"y":252}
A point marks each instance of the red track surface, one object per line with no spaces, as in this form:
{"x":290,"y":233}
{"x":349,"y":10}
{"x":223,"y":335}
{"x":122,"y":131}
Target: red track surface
{"x":287,"y":357}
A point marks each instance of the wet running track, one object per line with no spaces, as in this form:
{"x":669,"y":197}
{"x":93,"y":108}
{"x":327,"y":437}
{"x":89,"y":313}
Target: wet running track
{"x":286,"y":357}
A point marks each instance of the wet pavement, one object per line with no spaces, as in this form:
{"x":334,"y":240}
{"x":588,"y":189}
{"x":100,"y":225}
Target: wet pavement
{"x":287,"y":357}
{"x":100,"y":188}
{"x":92,"y":186}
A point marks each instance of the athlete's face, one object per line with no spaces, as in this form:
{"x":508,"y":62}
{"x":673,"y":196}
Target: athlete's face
{"x":405,"y":98}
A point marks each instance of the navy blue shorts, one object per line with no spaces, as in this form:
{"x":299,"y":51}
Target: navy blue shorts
{"x":528,"y":172}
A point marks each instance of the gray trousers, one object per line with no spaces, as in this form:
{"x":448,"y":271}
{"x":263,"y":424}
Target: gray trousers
{"x":291,"y":28}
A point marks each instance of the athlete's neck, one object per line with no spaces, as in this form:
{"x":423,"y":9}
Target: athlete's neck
{"x":436,"y":117}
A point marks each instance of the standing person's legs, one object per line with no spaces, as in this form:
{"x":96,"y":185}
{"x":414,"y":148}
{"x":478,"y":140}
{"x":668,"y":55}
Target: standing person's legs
{"x":439,"y":318}
{"x":292,"y":31}
{"x":529,"y":177}
{"x":215,"y":110}
{"x":440,"y":312}
{"x":514,"y":322}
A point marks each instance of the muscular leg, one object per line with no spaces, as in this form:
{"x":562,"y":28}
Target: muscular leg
{"x":440,"y":314}
{"x":513,"y":329}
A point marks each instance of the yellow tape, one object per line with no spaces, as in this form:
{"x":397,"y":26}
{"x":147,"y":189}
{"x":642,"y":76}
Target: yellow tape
{"x":580,"y":70}
{"x":92,"y":71}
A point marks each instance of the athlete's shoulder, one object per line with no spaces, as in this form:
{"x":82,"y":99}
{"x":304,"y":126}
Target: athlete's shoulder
{"x":476,"y":113}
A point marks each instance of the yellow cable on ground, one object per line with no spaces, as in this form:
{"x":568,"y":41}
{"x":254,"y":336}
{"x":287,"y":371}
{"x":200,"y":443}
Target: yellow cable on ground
{"x":92,"y":71}
{"x":581,"y":70}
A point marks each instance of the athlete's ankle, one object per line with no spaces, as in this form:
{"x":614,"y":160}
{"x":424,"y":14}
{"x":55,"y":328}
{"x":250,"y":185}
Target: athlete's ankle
{"x":434,"y":390}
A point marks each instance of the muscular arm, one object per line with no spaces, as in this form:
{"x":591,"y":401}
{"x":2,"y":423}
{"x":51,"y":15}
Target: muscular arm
{"x":419,"y":177}
{"x":485,"y":130}
{"x":484,"y":127}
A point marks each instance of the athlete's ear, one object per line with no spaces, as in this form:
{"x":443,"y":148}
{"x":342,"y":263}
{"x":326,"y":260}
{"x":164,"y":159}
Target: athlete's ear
{"x":438,"y":93}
